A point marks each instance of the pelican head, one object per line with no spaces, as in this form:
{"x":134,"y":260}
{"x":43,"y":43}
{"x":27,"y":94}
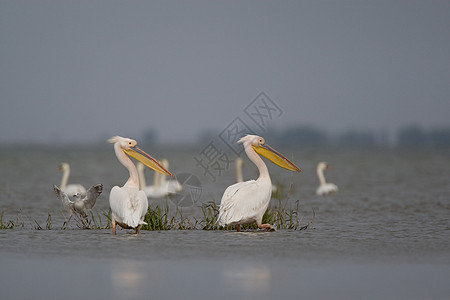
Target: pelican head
{"x":259,"y":145}
{"x":124,"y":143}
{"x":323,"y":166}
{"x":129,"y":147}
{"x":63,"y":166}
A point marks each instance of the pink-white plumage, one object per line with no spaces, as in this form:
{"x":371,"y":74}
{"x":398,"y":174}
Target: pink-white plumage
{"x":246,"y":202}
{"x":129,"y":204}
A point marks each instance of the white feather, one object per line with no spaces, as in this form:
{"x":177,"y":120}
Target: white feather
{"x":128,"y":206}
{"x":327,"y":188}
{"x":245,"y":202}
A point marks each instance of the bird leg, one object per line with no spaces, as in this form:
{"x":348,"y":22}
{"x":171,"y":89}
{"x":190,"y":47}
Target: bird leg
{"x":238,"y":228}
{"x":137,"y":229}
{"x":85,"y":221}
{"x":114,"y":224}
{"x":267,"y":227}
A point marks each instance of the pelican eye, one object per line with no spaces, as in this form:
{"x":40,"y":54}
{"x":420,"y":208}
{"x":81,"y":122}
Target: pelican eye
{"x":261,"y":141}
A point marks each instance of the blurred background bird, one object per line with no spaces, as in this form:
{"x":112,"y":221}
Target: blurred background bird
{"x":324,"y":188}
{"x":70,"y":189}
{"x":80,"y":204}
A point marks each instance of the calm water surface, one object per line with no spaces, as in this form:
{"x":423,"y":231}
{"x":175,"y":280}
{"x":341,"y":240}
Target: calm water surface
{"x":386,"y":234}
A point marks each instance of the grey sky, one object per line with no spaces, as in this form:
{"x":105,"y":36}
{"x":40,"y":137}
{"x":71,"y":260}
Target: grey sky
{"x":74,"y":71}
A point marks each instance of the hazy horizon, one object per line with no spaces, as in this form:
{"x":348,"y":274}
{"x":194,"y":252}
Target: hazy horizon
{"x":82,"y":71}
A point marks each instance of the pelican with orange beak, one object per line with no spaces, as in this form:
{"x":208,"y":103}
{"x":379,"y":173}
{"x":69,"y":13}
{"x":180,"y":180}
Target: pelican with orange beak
{"x":246,"y":202}
{"x":129,"y":204}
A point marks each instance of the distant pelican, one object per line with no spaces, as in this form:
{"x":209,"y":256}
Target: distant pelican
{"x":80,"y":205}
{"x":143,"y":183}
{"x":239,"y":164}
{"x":161,"y":187}
{"x":246,"y":202}
{"x":70,"y":189}
{"x":324,"y":187}
{"x":128,"y":204}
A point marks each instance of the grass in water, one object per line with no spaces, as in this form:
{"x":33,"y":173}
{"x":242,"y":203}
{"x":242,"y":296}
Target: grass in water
{"x":8,"y":225}
{"x":89,"y":221}
{"x":159,"y":218}
{"x":277,"y":216}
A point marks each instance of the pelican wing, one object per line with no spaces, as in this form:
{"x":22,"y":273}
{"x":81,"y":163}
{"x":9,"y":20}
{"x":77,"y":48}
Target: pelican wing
{"x":244,"y":202}
{"x":91,"y":196}
{"x":128,"y":206}
{"x":62,"y":196}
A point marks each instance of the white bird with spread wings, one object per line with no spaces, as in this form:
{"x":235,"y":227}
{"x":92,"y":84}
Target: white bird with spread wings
{"x":81,"y":204}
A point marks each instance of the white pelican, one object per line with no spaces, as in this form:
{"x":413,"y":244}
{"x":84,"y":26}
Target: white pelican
{"x":161,"y":187}
{"x":70,"y":189}
{"x":128,"y":204}
{"x":324,"y":187}
{"x":246,"y":202}
{"x":80,"y":205}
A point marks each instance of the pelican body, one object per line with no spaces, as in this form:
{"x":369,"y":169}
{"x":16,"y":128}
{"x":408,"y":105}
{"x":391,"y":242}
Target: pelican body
{"x":69,"y":189}
{"x":246,"y":202}
{"x":324,"y":187}
{"x":129,"y":204}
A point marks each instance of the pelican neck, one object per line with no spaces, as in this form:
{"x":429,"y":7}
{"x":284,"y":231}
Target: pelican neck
{"x":257,"y":160}
{"x":321,"y":176}
{"x":133,"y":181}
{"x":65,"y":178}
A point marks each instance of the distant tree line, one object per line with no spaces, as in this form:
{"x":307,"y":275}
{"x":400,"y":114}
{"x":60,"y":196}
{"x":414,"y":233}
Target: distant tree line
{"x":308,"y":135}
{"x":407,"y":136}
{"x":415,"y":135}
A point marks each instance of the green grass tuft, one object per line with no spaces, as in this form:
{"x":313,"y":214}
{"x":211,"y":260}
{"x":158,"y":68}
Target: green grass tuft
{"x":160,"y":218}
